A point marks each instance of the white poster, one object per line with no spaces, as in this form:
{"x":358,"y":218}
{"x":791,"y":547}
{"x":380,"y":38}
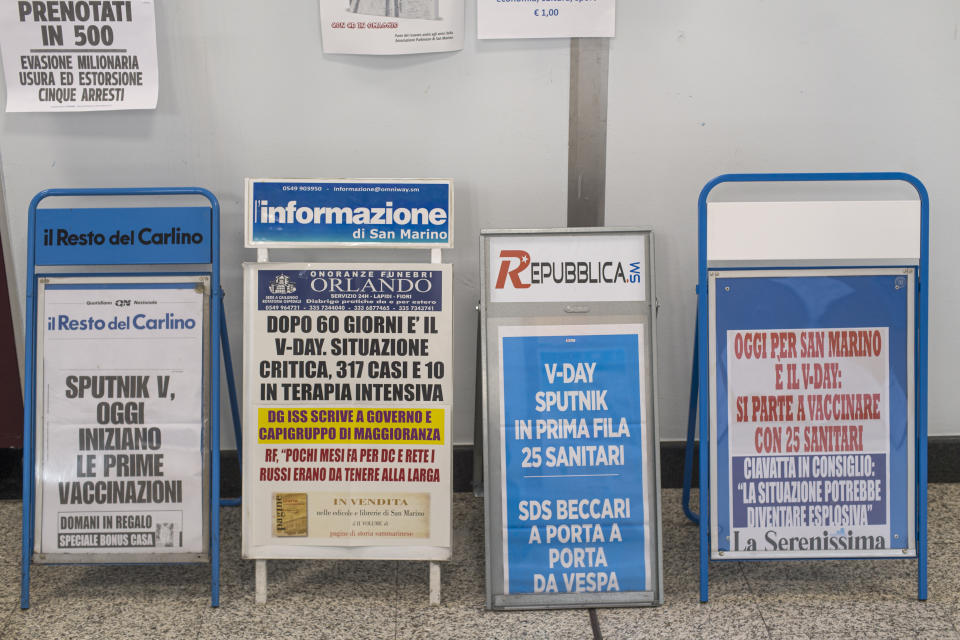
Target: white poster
{"x":387,"y":27}
{"x":347,"y":395}
{"x":809,"y":441}
{"x":546,"y":18}
{"x":79,"y":55}
{"x":121,"y":386}
{"x":567,"y":268}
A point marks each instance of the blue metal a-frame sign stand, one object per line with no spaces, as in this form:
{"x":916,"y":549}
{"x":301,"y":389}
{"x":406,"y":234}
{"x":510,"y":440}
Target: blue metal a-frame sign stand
{"x":699,"y":392}
{"x":115,"y":260}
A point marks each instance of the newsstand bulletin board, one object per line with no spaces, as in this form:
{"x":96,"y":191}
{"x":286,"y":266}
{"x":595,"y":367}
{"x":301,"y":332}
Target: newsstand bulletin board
{"x":813,"y":437}
{"x":347,"y":375}
{"x":571,"y":446}
{"x":121,"y":406}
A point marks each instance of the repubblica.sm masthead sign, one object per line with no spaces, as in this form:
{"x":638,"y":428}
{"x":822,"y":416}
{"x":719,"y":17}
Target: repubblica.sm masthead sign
{"x":412,"y":214}
{"x":569,"y":267}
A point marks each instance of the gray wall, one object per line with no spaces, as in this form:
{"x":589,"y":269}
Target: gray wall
{"x":700,"y":88}
{"x":697,"y":88}
{"x":245,"y":90}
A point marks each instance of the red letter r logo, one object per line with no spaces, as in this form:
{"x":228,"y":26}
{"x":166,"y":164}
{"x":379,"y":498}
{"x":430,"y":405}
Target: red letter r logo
{"x":514,"y":273}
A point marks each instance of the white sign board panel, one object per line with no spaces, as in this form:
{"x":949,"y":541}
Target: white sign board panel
{"x":546,"y":19}
{"x":121,"y":388}
{"x":567,"y":268}
{"x":79,"y":55}
{"x":858,"y":231}
{"x":347,"y":397}
{"x":388,"y":27}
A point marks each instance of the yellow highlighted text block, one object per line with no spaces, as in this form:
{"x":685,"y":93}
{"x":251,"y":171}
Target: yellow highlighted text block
{"x":350,"y":426}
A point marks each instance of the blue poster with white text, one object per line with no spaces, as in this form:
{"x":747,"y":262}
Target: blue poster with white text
{"x":574,"y":462}
{"x":397,"y":213}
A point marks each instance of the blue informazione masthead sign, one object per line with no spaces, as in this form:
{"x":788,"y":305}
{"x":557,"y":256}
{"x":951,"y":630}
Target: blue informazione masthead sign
{"x":305,"y":213}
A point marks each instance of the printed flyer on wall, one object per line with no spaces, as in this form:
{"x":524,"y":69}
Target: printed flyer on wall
{"x":121,"y":391}
{"x":347,"y":424}
{"x":546,"y":18}
{"x":814,"y":443}
{"x":575,"y":467}
{"x":79,"y":55}
{"x":389,"y":27}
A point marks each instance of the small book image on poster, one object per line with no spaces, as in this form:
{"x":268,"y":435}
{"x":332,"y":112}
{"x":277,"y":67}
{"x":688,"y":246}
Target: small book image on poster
{"x":411,"y":9}
{"x":290,"y":519}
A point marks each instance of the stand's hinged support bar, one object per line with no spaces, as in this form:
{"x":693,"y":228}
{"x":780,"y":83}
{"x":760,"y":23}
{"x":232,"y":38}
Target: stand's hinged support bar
{"x":434,"y":583}
{"x":261,"y":581}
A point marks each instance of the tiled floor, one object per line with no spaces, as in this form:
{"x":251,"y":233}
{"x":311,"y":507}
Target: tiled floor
{"x":338,"y":599}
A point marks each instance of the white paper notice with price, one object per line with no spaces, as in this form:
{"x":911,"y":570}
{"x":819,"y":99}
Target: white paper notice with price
{"x":546,"y":18}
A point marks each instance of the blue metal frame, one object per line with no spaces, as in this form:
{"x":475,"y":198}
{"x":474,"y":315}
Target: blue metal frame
{"x":700,"y":380}
{"x":232,"y":392}
{"x":691,"y":431}
{"x":216,"y":324}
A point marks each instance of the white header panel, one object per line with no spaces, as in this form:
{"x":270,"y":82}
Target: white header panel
{"x":567,"y":267}
{"x":809,"y":230}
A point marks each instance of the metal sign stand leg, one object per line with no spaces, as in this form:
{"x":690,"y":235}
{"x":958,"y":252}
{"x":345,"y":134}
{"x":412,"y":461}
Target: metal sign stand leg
{"x":702,"y":359}
{"x":478,"y":420}
{"x":216,"y":313}
{"x":435,"y":258}
{"x":232,"y":392}
{"x":29,"y":404}
{"x":435,"y":583}
{"x":923,"y":309}
{"x":261,"y":581}
{"x":691,"y":433}
{"x":260,"y":586}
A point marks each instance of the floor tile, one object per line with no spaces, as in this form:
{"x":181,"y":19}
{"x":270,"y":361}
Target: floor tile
{"x":830,"y":580}
{"x":312,"y":610}
{"x":878,"y":635}
{"x":943,"y":572}
{"x":11,"y":531}
{"x":943,"y":513}
{"x":938,"y":634}
{"x":722,"y":617}
{"x":825,"y":600}
{"x":854,"y":618}
{"x":459,"y":584}
{"x":475,"y":623}
{"x":7,"y":606}
{"x":52,"y":582}
{"x":130,"y":615}
{"x":9,"y":584}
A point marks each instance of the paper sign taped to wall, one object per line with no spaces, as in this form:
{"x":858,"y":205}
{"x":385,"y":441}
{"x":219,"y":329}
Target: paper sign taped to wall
{"x":79,"y":55}
{"x":546,"y":19}
{"x":387,"y":27}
